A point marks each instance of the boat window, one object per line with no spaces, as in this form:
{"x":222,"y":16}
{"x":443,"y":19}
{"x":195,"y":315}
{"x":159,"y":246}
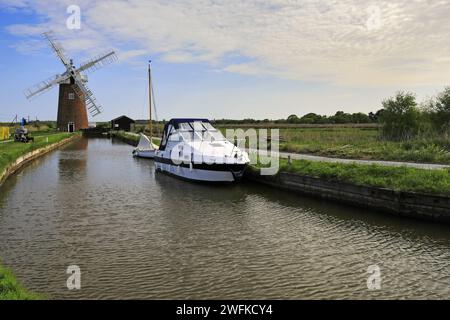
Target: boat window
{"x":184,"y":126}
{"x":187,"y":135}
{"x":174,"y":136}
{"x":197,"y":125}
{"x":208,"y":126}
{"x":165,"y":136}
{"x":213,"y":135}
{"x":195,"y":131}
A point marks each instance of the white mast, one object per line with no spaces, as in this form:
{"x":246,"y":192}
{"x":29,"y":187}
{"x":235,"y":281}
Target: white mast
{"x":150,"y":98}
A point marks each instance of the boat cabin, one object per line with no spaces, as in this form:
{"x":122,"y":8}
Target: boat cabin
{"x":188,"y":130}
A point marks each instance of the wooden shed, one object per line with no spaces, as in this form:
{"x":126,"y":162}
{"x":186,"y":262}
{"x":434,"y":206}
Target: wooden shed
{"x":122,"y":123}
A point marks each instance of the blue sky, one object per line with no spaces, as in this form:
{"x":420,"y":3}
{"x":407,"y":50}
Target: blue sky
{"x":253,"y":59}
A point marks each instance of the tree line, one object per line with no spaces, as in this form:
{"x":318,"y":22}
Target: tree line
{"x":340,"y":117}
{"x":403,"y":118}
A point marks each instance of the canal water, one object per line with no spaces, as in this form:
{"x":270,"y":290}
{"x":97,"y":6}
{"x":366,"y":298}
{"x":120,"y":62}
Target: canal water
{"x":137,"y":234}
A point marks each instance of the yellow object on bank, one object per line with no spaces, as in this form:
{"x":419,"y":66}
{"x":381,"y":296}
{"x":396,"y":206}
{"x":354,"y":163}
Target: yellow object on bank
{"x":4,"y":133}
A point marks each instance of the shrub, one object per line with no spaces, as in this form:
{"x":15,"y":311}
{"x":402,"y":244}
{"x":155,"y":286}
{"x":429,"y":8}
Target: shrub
{"x":401,"y":120}
{"x":441,"y":112}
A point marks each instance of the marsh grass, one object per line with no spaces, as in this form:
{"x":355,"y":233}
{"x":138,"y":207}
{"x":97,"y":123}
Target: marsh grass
{"x":11,"y":289}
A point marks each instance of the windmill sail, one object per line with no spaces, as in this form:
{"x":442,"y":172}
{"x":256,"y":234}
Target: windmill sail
{"x":59,"y":51}
{"x":45,"y":85}
{"x":98,"y":62}
{"x":85,"y":93}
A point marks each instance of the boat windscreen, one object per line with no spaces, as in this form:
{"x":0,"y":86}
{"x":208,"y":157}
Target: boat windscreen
{"x":185,"y":126}
{"x":196,"y":131}
{"x":208,"y":126}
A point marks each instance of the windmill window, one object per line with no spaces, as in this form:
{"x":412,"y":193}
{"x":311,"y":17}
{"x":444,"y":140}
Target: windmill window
{"x":71,"y":96}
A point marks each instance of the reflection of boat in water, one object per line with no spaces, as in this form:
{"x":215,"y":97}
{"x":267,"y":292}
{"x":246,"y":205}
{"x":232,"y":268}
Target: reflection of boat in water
{"x":145,"y":148}
{"x":193,"y":149}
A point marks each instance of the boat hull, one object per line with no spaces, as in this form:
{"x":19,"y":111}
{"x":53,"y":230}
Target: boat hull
{"x":201,"y":172}
{"x":148,"y":154}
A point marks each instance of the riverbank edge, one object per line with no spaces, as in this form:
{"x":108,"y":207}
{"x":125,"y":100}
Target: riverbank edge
{"x":10,"y":288}
{"x":132,"y":140}
{"x":405,"y":204}
{"x":30,"y":156}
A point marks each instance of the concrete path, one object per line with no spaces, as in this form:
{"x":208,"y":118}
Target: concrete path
{"x":298,"y":156}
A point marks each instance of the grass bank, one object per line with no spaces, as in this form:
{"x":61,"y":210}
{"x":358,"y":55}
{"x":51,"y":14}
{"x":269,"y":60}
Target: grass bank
{"x":394,"y":178}
{"x":11,"y":289}
{"x":361,"y":143}
{"x":130,"y":137}
{"x":10,"y":151}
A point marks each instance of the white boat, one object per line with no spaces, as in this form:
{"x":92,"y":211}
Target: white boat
{"x":145,"y":148}
{"x":194,"y":150}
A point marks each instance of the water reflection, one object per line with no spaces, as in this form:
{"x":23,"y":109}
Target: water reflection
{"x":137,"y":234}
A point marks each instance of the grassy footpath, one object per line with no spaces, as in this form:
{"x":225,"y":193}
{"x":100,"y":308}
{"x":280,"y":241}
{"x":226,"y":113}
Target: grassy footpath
{"x":394,"y":178}
{"x":10,"y":151}
{"x":11,"y":289}
{"x":361,"y":143}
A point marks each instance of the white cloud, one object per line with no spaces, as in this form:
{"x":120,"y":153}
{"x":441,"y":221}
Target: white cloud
{"x":126,"y":55}
{"x":348,"y":42}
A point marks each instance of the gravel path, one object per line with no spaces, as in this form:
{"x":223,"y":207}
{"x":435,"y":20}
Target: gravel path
{"x":298,"y":156}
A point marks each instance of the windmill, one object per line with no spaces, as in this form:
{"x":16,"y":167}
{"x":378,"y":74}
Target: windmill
{"x":75,"y":98}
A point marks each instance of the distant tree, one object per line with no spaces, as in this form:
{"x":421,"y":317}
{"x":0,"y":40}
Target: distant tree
{"x":441,"y":118}
{"x":400,"y":119}
{"x":310,"y":118}
{"x":360,"y":118}
{"x":374,"y":117}
{"x":341,"y":117}
{"x":293,"y":119}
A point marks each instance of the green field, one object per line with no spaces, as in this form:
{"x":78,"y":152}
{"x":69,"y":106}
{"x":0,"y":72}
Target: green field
{"x":10,"y":151}
{"x":361,"y":143}
{"x":394,"y":178}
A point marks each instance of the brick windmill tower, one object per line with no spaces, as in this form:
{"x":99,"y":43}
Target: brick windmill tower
{"x":75,"y":98}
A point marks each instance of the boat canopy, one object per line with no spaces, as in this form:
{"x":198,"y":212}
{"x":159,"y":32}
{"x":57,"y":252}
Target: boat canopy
{"x":189,"y":129}
{"x":177,"y":121}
